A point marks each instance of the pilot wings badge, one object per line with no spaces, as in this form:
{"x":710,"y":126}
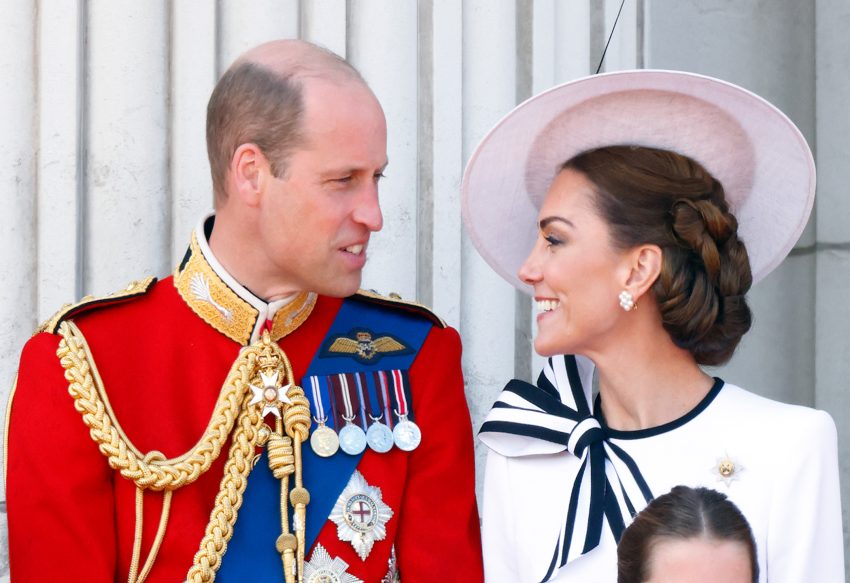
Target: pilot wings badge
{"x":365,"y":346}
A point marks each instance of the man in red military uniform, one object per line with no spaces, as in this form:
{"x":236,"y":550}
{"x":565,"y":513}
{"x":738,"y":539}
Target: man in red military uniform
{"x":240,"y":420}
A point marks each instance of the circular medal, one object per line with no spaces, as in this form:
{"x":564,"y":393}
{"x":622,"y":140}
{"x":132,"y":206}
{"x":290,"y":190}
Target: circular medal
{"x":407,"y":435}
{"x":352,"y":439}
{"x":324,"y":441}
{"x":379,"y":437}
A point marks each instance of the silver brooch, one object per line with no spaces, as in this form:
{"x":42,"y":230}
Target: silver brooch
{"x":727,"y":469}
{"x":360,"y":515}
{"x":321,"y":568}
{"x":392,"y":575}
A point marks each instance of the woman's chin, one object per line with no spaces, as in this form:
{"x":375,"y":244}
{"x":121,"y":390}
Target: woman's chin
{"x":546,"y":349}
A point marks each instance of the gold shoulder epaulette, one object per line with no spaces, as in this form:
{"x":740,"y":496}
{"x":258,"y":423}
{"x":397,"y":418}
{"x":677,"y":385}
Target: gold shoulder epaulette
{"x":133,"y":290}
{"x":394,"y":300}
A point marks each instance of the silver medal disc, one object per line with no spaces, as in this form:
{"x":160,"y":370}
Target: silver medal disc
{"x":324,"y":441}
{"x":352,"y":439}
{"x":379,"y":437}
{"x":406,"y":435}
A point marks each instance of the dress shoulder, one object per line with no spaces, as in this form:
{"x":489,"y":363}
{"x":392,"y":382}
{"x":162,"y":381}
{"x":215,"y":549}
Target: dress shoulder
{"x":395,"y":302}
{"x":133,"y":290}
{"x":793,"y":425}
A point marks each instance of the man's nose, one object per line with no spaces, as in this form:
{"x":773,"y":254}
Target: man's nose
{"x":368,"y":209}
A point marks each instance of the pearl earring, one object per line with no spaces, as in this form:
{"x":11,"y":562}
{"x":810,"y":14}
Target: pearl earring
{"x":627,"y":301}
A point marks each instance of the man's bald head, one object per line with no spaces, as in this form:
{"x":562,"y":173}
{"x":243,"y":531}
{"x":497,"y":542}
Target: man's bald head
{"x":259,"y":100}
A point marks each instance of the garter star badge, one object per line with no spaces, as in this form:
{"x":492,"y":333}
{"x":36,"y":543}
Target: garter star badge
{"x":360,"y":515}
{"x":727,"y":469}
{"x":364,"y":346}
{"x":322,"y":569}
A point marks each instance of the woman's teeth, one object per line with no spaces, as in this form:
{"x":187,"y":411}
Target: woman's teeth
{"x":547,"y":305}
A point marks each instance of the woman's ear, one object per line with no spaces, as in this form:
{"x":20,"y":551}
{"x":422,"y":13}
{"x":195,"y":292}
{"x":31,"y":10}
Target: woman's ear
{"x":645,"y":261}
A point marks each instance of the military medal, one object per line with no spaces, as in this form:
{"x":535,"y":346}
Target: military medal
{"x":323,"y":440}
{"x":322,"y":569}
{"x":360,"y":515}
{"x":379,"y":437}
{"x":406,"y":434}
{"x":352,"y":438}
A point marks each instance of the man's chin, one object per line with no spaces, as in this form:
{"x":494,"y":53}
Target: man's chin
{"x":341,"y":288}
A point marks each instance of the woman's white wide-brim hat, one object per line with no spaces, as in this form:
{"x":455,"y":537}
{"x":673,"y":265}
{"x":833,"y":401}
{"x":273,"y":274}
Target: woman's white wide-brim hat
{"x":757,"y":153}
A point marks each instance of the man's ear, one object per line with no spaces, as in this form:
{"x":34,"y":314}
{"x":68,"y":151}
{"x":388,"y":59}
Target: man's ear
{"x":246,"y":168}
{"x":645,"y":263}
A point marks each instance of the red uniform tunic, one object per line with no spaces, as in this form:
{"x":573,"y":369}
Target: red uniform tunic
{"x":72,"y":518}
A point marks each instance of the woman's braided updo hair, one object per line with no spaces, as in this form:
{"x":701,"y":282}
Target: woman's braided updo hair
{"x":662,"y":198}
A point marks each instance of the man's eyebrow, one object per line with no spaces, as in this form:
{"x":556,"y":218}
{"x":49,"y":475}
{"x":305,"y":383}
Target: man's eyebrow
{"x":352,"y":170}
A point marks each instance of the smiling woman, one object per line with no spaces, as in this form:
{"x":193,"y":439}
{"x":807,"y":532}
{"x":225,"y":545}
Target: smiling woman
{"x":666,"y":214}
{"x":570,"y":267}
{"x":639,"y":270}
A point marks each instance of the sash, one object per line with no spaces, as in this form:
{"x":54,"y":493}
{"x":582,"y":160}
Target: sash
{"x":251,"y":552}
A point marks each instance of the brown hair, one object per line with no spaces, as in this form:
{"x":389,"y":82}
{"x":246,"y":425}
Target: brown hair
{"x":654,"y":196}
{"x":683,"y":513}
{"x":263,"y":105}
{"x":251,"y":104}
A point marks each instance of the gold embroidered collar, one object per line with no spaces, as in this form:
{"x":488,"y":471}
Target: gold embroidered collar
{"x":227,"y":306}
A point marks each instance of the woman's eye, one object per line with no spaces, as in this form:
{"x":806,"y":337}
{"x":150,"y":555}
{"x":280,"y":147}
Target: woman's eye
{"x":379,"y":176}
{"x":343,"y":179}
{"x":552,"y":240}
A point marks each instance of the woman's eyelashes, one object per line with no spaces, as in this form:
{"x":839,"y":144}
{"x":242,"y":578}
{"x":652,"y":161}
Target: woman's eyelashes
{"x":552,"y":240}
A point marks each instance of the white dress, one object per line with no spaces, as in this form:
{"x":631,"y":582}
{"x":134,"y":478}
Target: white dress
{"x":785,"y":481}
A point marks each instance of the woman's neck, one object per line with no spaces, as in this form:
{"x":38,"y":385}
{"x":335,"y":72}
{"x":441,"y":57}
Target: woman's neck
{"x":649,"y":383}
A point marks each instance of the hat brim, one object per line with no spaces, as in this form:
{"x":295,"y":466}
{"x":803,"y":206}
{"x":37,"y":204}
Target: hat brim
{"x":754,"y":150}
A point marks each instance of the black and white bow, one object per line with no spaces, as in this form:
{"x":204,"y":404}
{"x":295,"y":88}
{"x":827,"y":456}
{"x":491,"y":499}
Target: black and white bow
{"x":557,"y":415}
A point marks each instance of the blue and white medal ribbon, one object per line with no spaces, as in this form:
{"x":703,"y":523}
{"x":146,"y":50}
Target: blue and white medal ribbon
{"x":323,"y":439}
{"x":554,"y":416}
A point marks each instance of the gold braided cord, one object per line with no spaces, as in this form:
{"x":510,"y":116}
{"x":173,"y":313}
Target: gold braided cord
{"x":281,"y":455}
{"x":160,"y":534}
{"x":137,"y":541}
{"x":234,"y":414}
{"x":296,"y":419}
{"x":282,"y":464}
{"x":300,"y":498}
{"x":137,"y":535}
{"x":267,"y":357}
{"x":152,"y":470}
{"x":220,"y":526}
